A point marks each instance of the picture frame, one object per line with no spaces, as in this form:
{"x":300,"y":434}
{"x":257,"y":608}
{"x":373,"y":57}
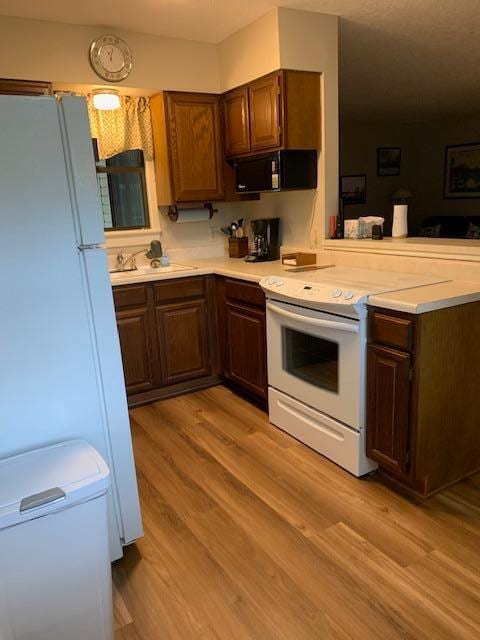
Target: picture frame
{"x":462,"y":171}
{"x":389,"y":161}
{"x":353,"y":189}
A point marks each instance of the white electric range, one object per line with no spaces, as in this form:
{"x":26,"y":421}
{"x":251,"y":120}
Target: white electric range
{"x":316,"y":337}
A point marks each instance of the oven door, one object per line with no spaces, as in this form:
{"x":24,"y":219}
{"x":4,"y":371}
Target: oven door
{"x":318,"y":359}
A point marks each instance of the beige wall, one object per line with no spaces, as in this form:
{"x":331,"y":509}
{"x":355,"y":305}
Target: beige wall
{"x":291,"y":39}
{"x":281,"y":38}
{"x":59,"y":53}
{"x":250,"y":52}
{"x":309,"y":42}
{"x":359,"y":143}
{"x":429,"y":142}
{"x":422,"y":171}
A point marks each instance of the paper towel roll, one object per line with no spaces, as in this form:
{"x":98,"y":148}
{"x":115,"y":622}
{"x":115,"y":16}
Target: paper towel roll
{"x":400,"y":221}
{"x":191,"y":215}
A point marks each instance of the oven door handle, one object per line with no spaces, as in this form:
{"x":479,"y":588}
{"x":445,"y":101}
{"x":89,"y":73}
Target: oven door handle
{"x":314,"y":322}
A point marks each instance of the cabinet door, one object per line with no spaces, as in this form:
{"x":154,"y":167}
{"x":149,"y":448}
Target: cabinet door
{"x":236,"y":120}
{"x":183,"y":341}
{"x":135,"y":333}
{"x":388,"y":407}
{"x":25,"y":87}
{"x":247,"y":349}
{"x":194,"y":138}
{"x":264,"y":105}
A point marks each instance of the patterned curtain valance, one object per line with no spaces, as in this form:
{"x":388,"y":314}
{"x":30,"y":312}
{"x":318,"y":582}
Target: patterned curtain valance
{"x":124,"y":129}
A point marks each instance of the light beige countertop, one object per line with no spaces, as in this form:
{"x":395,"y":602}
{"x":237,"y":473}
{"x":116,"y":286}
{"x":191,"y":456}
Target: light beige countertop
{"x":428,"y":298}
{"x":419,"y":299}
{"x":232,"y":267}
{"x":445,"y":248}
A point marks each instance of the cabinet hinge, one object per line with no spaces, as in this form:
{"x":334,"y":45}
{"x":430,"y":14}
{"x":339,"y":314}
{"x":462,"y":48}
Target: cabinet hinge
{"x":410,"y":374}
{"x":407,"y":460}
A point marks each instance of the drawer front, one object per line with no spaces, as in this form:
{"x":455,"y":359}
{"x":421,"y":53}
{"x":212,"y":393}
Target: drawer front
{"x":391,"y":331}
{"x":130,"y":296}
{"x":179,"y":288}
{"x":246,"y":292}
{"x":321,"y":433}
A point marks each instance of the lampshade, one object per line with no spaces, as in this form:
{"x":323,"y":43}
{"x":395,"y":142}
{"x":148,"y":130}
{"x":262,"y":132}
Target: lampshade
{"x":402,"y":194}
{"x":106,"y":99}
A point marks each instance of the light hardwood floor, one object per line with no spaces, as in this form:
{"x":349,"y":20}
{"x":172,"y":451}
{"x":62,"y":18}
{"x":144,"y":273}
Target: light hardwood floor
{"x":251,"y":535}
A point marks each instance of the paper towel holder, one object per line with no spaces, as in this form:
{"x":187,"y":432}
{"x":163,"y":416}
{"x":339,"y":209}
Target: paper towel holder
{"x":173,"y":210}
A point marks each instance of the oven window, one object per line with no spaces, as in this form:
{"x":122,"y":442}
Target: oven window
{"x":311,"y":359}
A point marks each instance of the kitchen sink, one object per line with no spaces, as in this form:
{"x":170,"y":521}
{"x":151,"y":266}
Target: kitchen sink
{"x":148,"y":270}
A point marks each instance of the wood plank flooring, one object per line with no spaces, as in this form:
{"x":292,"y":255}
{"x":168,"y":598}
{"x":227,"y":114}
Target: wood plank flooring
{"x":251,"y":535}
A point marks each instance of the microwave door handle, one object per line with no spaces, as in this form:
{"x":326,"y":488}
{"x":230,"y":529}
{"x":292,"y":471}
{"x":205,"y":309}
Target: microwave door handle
{"x":314,"y":322}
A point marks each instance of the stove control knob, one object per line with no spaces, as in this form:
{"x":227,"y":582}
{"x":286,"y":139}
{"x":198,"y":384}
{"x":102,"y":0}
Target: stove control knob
{"x":348,"y":295}
{"x":279,"y":283}
{"x":336,"y":293}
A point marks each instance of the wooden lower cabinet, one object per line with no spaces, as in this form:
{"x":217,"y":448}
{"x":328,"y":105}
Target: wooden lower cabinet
{"x":166,"y":343}
{"x":389,"y":405}
{"x":138,"y":350}
{"x":183,"y":341}
{"x":242,"y":336}
{"x":423,"y":400}
{"x":246,"y":349}
{"x":189,"y":333}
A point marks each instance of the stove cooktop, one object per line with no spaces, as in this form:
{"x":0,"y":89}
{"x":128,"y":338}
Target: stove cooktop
{"x":340,"y":285}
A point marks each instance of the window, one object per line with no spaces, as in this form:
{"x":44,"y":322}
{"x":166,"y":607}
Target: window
{"x":123,"y":194}
{"x":311,"y":359}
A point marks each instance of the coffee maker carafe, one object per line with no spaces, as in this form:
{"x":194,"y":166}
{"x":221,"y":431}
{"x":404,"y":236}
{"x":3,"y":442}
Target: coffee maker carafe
{"x":266,"y":244}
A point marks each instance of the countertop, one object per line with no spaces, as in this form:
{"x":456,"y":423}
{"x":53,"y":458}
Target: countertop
{"x":438,"y":248}
{"x":420,"y":299}
{"x":428,"y":298}
{"x":232,"y":267}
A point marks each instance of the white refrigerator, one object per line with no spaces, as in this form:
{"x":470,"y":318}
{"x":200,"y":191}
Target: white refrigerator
{"x":61,"y":372}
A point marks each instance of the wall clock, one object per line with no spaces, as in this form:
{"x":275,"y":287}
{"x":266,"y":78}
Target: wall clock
{"x":110,"y":58}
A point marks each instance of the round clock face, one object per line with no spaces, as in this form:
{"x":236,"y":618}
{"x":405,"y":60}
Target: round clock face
{"x":110,"y":58}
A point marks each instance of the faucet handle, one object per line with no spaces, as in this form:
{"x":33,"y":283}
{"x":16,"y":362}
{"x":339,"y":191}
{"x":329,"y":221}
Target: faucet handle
{"x":120,"y":257}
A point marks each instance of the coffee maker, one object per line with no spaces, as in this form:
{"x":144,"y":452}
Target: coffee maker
{"x":266,"y":243}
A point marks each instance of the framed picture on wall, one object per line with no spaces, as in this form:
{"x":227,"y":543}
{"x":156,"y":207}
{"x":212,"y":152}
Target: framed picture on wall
{"x":462,"y":171}
{"x":353,"y":189}
{"x":389,"y":160}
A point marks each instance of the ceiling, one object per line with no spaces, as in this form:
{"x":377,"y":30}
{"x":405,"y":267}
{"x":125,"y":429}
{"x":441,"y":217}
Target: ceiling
{"x":408,"y":59}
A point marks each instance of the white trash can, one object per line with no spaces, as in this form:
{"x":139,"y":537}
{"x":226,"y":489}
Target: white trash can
{"x":55,"y":575}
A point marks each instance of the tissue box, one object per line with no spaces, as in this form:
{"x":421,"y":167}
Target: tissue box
{"x":365,"y":225}
{"x":351,"y":229}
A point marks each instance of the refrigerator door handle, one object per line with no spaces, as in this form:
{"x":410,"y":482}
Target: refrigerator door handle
{"x":86,"y":247}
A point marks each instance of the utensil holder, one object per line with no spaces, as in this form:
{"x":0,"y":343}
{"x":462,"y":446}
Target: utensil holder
{"x":238,"y":247}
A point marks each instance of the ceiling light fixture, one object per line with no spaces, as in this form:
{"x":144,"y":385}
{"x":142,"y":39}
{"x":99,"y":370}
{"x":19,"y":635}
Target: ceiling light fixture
{"x":106,"y":99}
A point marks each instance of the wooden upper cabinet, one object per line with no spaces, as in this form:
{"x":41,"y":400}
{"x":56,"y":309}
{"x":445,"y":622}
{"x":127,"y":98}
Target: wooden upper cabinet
{"x":25,"y":87}
{"x":188,"y":147}
{"x":265,"y":117}
{"x":237,"y":121}
{"x":278,"y":111}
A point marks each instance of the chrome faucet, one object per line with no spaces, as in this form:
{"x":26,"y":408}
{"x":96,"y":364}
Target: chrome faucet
{"x":153,"y":253}
{"x":122,"y":261}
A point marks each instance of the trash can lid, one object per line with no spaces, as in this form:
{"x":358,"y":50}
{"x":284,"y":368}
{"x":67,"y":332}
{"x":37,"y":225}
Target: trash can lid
{"x":42,"y":481}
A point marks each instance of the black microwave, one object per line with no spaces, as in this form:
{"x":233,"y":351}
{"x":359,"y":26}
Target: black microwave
{"x":276,"y":171}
